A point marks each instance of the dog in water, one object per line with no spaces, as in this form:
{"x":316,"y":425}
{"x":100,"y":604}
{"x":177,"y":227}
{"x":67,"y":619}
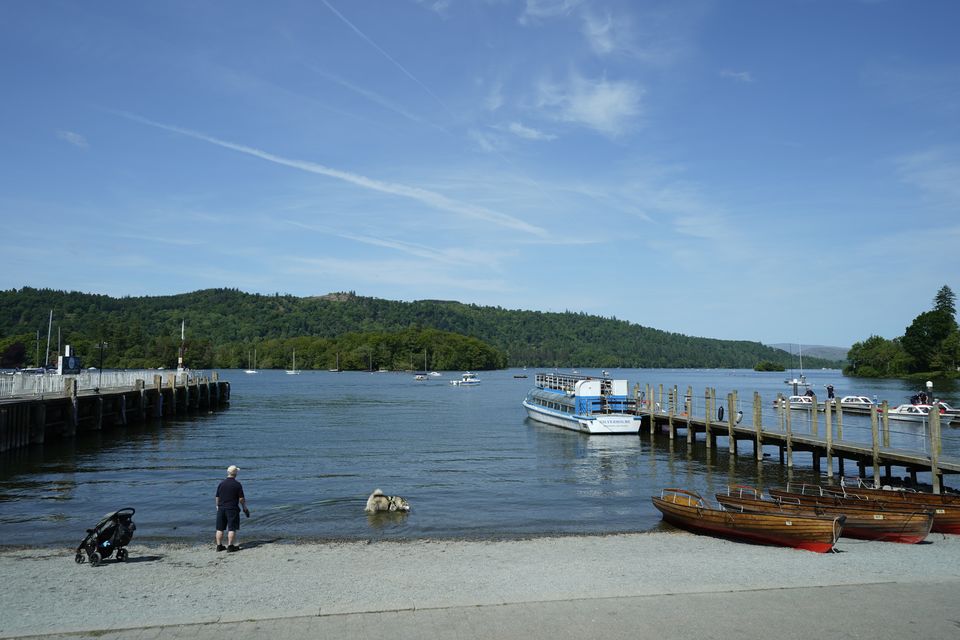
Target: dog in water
{"x":379,"y":502}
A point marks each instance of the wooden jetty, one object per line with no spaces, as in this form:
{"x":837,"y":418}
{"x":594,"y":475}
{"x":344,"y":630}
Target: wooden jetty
{"x":49,"y":414}
{"x":675,"y":413}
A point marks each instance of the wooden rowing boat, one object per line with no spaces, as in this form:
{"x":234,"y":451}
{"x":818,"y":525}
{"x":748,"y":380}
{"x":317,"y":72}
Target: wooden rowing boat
{"x":946,"y":516}
{"x":865,"y":523}
{"x":896,"y":493}
{"x":687,"y":510}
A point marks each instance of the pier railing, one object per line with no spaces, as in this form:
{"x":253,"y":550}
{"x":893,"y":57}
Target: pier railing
{"x":49,"y":383}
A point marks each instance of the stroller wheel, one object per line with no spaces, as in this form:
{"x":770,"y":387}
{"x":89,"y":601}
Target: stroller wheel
{"x":79,"y":559}
{"x":121,"y":555}
{"x":94,"y":559}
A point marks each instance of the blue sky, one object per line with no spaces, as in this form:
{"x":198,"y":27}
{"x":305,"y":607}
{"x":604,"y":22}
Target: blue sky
{"x":782,"y":171}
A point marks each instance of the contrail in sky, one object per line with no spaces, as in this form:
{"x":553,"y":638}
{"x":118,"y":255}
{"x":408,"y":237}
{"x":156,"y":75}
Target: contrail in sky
{"x":386,"y":55}
{"x":425,"y":196}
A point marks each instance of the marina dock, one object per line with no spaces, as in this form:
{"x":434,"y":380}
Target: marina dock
{"x":37,"y":408}
{"x":676,"y":415}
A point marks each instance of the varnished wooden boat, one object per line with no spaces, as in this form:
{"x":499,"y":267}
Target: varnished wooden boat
{"x":946,"y":515}
{"x":865,"y":523}
{"x":687,"y":510}
{"x":896,"y":493}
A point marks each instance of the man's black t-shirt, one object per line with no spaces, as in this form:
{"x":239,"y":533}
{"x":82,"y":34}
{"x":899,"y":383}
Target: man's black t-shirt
{"x":229,"y":491}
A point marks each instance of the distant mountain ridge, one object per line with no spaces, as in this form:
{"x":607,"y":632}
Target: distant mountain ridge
{"x":225,"y":325}
{"x":814,"y":350}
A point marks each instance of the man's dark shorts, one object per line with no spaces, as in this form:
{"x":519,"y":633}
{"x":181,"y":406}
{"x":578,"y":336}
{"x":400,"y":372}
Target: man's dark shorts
{"x":228,"y":519}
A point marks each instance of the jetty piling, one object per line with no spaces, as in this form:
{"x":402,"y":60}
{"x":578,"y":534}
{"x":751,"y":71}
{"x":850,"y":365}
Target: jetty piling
{"x":795,"y":430}
{"x":58,"y":407}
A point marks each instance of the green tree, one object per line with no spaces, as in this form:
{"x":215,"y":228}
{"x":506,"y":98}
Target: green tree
{"x":947,"y":355}
{"x":924,"y":335}
{"x":944,"y":301}
{"x":877,"y":357}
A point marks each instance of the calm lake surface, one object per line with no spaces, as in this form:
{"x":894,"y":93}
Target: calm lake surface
{"x":312,"y":447}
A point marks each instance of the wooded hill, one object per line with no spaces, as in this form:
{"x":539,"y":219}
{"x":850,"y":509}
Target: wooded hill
{"x":224,"y":326}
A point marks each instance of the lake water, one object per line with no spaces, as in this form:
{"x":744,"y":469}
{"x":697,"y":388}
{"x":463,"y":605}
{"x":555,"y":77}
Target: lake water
{"x":312,"y":447}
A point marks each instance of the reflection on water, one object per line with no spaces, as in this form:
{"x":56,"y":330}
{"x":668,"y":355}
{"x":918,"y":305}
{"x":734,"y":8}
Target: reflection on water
{"x":312,"y":447}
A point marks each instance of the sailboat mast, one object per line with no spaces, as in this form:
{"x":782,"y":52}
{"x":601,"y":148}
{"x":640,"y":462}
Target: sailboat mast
{"x":46,"y":356}
{"x":183,"y":326}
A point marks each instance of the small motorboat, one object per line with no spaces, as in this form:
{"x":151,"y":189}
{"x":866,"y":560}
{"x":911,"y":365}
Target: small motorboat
{"x":687,"y":510}
{"x":916,"y":413}
{"x":467,"y":379}
{"x":856,"y":402}
{"x":805,"y":403}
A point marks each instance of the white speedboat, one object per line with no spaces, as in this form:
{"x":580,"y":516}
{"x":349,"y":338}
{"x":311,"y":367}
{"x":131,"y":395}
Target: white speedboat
{"x":853,"y":404}
{"x":947,"y":410}
{"x":856,"y":402}
{"x":805,"y":403}
{"x":915,"y":413}
{"x":581,"y":403}
{"x":467,"y":379}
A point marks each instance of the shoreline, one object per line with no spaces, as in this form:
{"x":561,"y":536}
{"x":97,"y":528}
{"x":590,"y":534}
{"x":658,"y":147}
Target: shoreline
{"x":47,"y":592}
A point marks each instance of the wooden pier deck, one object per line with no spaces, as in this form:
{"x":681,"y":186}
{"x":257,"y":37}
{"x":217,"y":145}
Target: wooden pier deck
{"x":41,"y":416}
{"x":678,"y":416}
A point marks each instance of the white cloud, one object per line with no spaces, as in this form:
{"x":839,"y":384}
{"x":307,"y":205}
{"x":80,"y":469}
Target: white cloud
{"x":450,"y":256}
{"x":599,"y":33}
{"x":538,"y":9}
{"x":437,"y":6}
{"x":936,"y":172}
{"x":75,"y":139}
{"x":485,"y":141}
{"x":494,"y":99}
{"x":603,"y":105}
{"x":528,"y":133}
{"x":738,"y":76}
{"x":408,"y":274}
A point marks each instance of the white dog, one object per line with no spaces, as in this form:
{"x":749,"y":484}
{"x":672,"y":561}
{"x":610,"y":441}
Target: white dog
{"x":379,"y":502}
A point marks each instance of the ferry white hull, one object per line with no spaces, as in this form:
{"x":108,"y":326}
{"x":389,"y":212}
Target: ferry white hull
{"x":606,"y":424}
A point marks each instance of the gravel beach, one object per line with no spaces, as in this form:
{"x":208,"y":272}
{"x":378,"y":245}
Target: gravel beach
{"x":45,"y":591}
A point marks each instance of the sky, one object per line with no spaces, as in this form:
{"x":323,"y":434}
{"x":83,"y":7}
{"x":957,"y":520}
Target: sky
{"x":768,"y":170}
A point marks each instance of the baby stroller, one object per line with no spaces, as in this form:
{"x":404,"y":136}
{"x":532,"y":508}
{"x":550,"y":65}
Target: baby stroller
{"x":112,"y":533}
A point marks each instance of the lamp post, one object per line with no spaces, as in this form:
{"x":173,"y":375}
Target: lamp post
{"x":100,"y":368}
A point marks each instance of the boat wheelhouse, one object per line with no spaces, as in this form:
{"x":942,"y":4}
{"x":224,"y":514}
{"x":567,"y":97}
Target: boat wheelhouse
{"x":582,"y":403}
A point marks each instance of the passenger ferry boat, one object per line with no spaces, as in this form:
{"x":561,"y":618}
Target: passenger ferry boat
{"x":582,"y":403}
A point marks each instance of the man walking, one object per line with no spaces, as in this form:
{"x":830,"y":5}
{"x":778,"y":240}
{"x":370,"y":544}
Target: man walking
{"x":230,"y":500}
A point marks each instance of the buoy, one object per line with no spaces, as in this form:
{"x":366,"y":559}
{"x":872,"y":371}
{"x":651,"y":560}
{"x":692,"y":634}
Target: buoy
{"x":720,"y":413}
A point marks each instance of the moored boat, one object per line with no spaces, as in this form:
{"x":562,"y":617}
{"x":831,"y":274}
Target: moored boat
{"x":947,"y":410}
{"x":687,"y":510}
{"x":796,"y":402}
{"x":583,"y":403}
{"x":946,"y":514}
{"x":467,"y":379}
{"x":915,"y":413}
{"x":866,"y":523}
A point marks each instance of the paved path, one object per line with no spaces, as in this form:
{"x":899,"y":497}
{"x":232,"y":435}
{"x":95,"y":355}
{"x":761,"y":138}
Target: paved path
{"x":871,"y":611}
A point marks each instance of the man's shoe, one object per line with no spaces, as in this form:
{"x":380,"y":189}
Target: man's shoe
{"x":220,"y":547}
{"x":232,"y":548}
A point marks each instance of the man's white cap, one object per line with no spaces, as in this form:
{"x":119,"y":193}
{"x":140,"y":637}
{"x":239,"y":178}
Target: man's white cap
{"x":232,"y":470}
